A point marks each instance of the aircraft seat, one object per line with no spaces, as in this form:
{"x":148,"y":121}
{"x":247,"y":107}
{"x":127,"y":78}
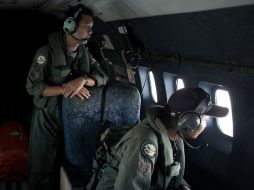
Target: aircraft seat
{"x":81,"y":122}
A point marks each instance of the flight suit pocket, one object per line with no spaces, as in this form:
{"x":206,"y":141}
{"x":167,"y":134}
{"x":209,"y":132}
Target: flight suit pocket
{"x":61,"y":73}
{"x":40,"y":102}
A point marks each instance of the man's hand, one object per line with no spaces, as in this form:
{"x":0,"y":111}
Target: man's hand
{"x":73,"y":87}
{"x":83,"y":93}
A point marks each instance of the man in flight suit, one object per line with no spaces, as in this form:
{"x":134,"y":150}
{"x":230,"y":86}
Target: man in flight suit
{"x":63,"y":67}
{"x":151,"y":154}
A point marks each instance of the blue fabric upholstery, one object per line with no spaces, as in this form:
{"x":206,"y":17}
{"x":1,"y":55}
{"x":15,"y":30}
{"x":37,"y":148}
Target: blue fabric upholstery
{"x":81,"y":120}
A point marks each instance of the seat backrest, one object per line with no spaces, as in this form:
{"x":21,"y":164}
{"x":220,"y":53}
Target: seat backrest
{"x":81,"y":120}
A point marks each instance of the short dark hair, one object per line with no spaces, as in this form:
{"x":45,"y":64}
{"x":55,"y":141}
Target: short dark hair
{"x":78,"y":10}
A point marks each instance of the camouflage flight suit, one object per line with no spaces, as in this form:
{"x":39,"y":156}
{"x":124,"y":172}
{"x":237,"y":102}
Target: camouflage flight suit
{"x":50,"y":67}
{"x":145,"y":158}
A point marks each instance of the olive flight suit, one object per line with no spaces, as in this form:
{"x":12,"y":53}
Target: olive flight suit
{"x":53,"y":66}
{"x":145,"y":158}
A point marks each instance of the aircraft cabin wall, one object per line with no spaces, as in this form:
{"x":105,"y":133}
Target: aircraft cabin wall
{"x":19,"y":45}
{"x":215,"y":47}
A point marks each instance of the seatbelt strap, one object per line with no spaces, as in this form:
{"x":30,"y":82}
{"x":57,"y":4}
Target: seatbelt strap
{"x":103,"y":99}
{"x":112,"y":161}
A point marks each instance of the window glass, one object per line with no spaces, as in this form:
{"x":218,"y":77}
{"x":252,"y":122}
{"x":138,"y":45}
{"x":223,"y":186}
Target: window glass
{"x":225,"y":124}
{"x":153,"y":87}
{"x":179,"y":83}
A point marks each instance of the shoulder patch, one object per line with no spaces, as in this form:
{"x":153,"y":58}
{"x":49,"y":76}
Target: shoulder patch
{"x":148,"y":149}
{"x":41,"y":59}
{"x":145,"y":167}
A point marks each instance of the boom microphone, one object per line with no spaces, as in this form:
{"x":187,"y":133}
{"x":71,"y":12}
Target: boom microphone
{"x":193,"y":147}
{"x":82,"y":40}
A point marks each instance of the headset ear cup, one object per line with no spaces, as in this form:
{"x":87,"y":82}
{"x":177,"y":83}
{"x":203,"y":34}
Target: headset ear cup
{"x":69,"y":25}
{"x":188,"y":122}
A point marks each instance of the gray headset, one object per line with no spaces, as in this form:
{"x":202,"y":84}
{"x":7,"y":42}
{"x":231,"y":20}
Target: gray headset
{"x":70,"y":23}
{"x":188,"y":121}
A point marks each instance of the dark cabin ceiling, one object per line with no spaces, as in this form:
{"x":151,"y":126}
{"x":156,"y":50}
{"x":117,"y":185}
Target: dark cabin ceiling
{"x":110,"y":10}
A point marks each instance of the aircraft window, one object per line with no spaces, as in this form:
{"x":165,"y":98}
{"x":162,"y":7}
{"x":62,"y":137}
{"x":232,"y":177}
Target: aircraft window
{"x":153,"y":87}
{"x":225,"y":124}
{"x":179,"y":83}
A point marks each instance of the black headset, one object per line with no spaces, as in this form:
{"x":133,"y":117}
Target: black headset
{"x":70,"y":23}
{"x":188,"y":121}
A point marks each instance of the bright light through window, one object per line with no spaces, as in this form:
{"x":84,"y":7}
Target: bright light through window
{"x":225,"y":124}
{"x":179,"y":84}
{"x":153,"y":87}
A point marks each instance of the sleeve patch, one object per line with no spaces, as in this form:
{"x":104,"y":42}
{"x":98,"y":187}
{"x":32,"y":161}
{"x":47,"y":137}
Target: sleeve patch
{"x":34,"y":74}
{"x":41,"y":59}
{"x":148,"y":149}
{"x":144,"y":167}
